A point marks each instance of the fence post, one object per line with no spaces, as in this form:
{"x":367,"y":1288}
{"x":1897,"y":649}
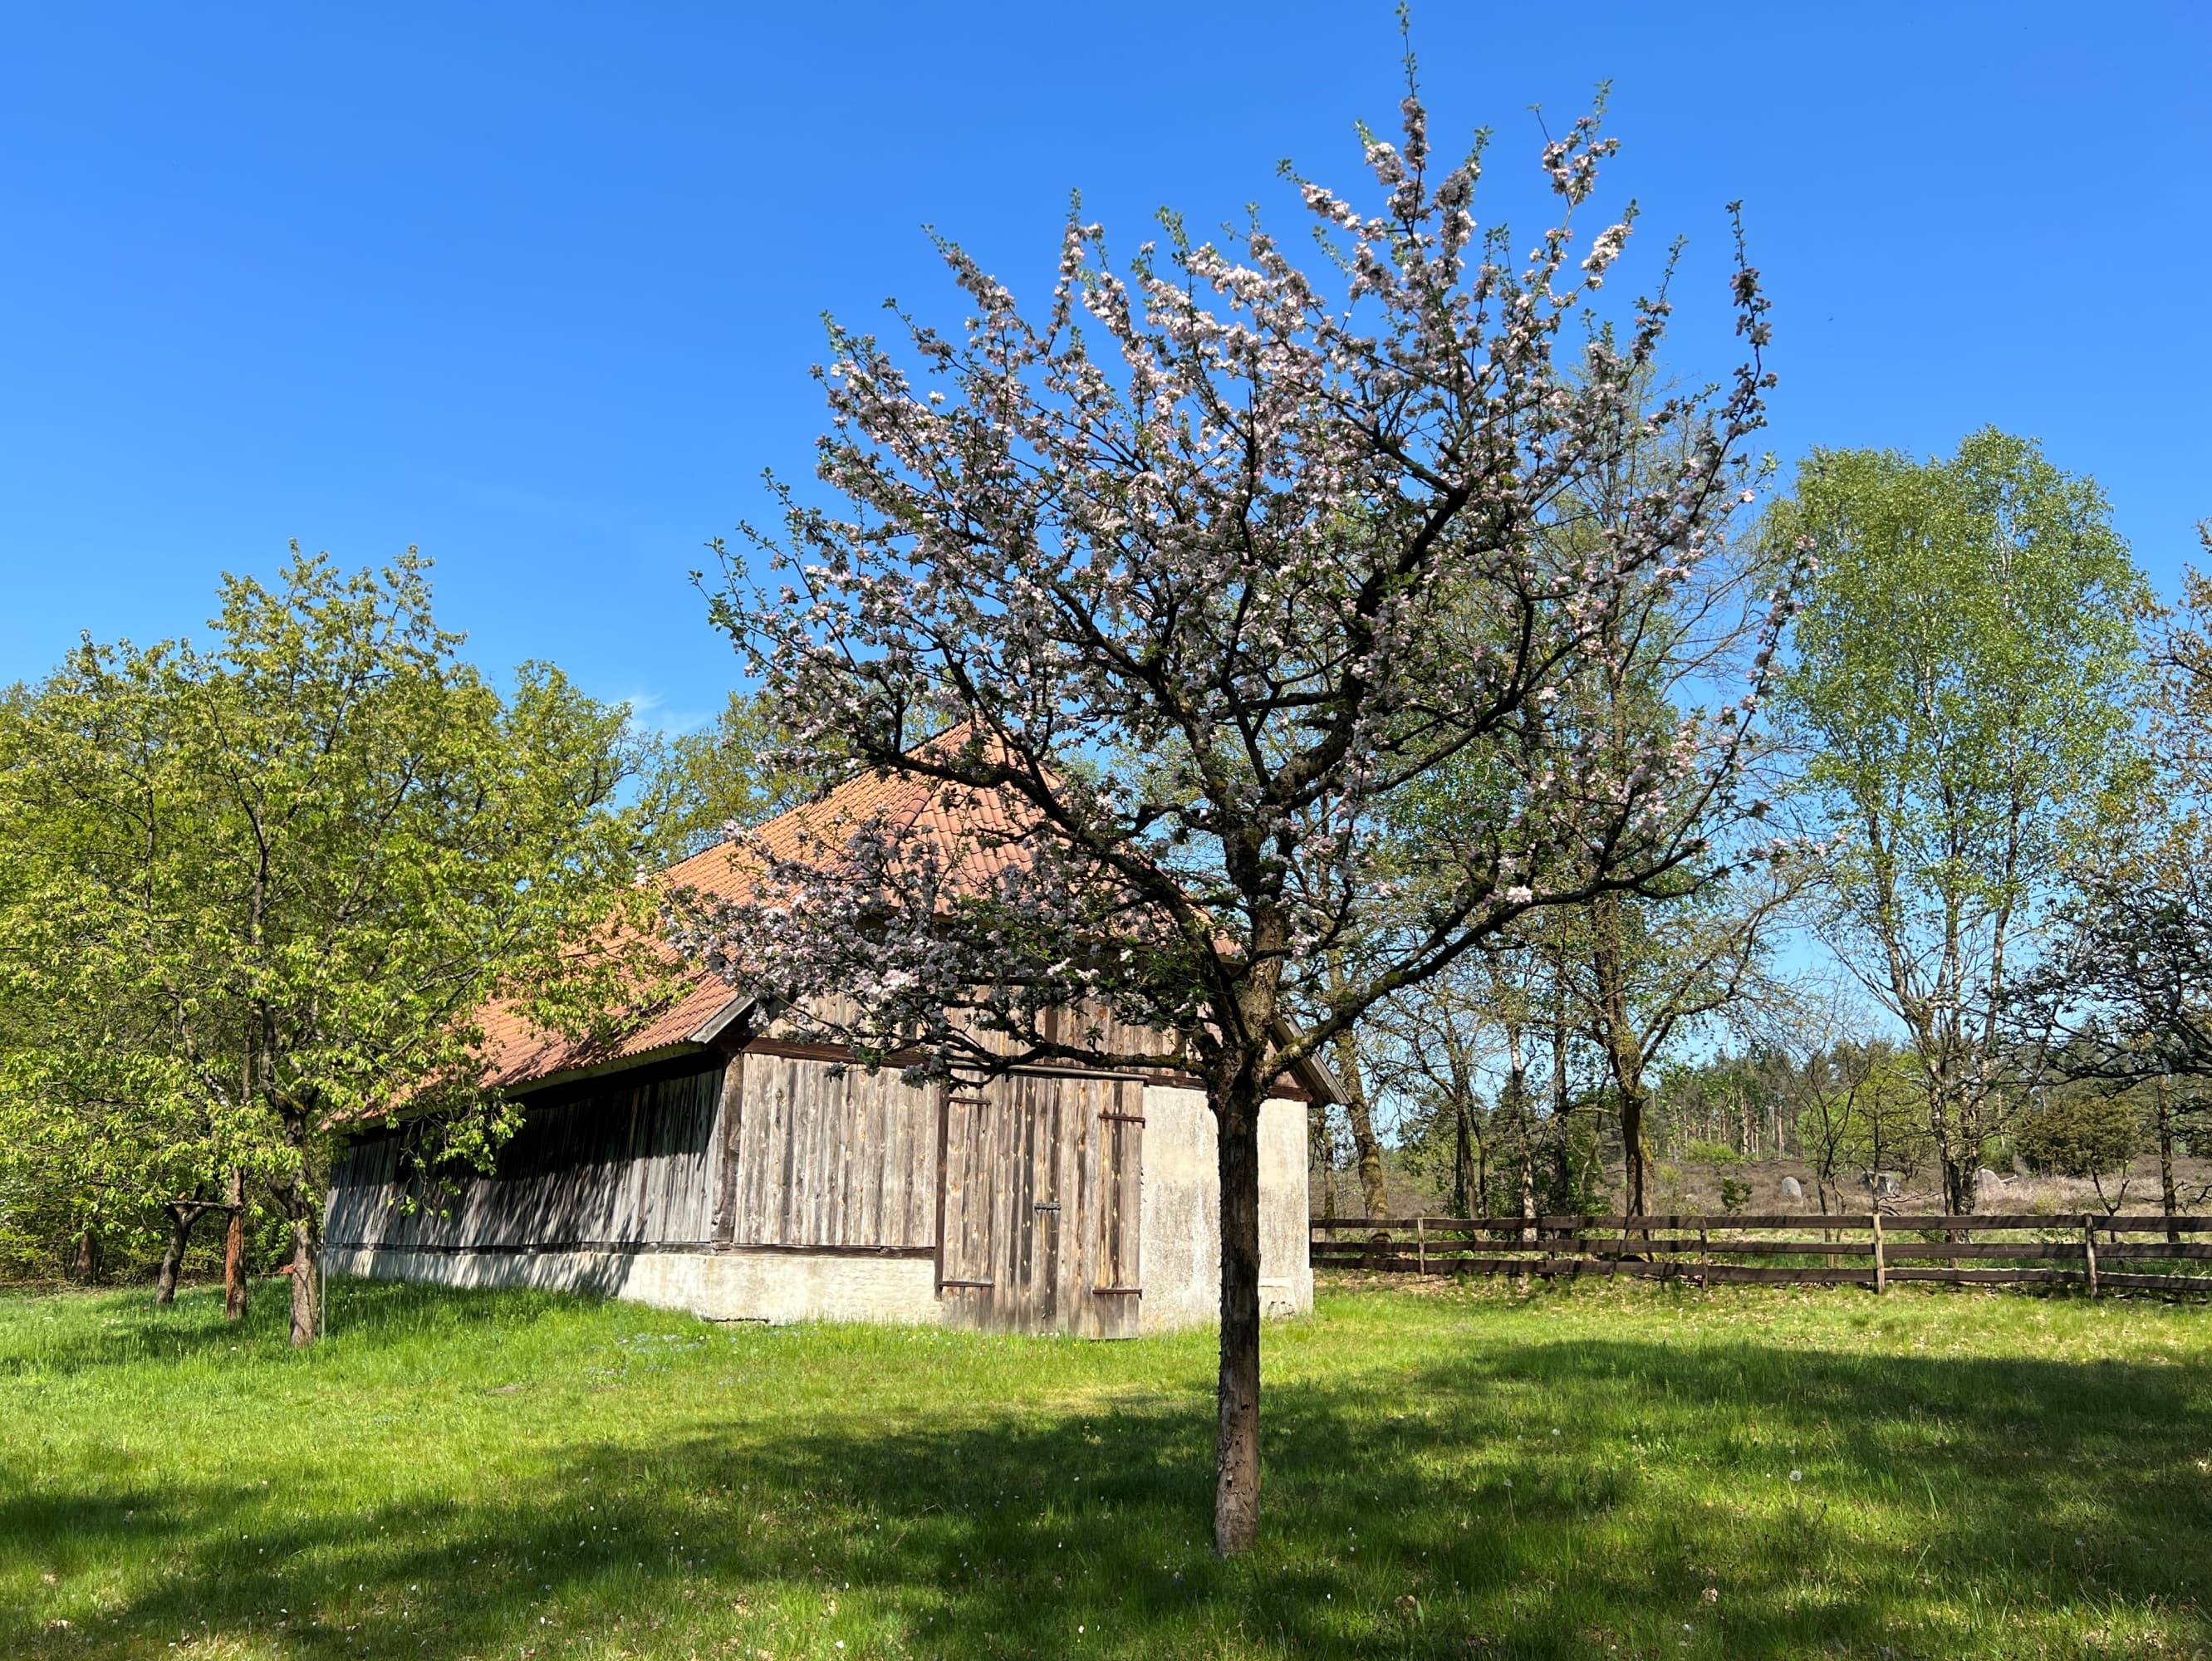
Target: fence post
{"x":1704,"y":1257}
{"x":1421,"y":1245}
{"x":1881,"y":1268}
{"x":2089,"y":1250}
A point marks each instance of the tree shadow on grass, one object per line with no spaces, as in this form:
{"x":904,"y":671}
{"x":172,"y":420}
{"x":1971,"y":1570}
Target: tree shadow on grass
{"x":1939,"y":1502}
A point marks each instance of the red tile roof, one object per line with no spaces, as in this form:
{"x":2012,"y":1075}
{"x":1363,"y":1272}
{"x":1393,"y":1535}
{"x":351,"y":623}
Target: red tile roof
{"x":986,"y":832}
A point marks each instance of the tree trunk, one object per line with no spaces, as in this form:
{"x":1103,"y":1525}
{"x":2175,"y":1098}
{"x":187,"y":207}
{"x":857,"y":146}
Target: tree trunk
{"x":1632,"y":1141}
{"x":89,"y":1256}
{"x":1522,"y":1128}
{"x":1956,"y":1145}
{"x":1236,"y":1451}
{"x":1957,"y":1187}
{"x":1318,"y":1197}
{"x":234,"y":1252}
{"x":306,"y":1301}
{"x":1515,"y":1100}
{"x":181,"y":1219}
{"x":1372,"y":1194}
{"x":1357,"y":1112}
{"x":1559,"y":1100}
{"x":1623,"y":1050}
{"x":2168,"y":1201}
{"x":1462,"y":1159}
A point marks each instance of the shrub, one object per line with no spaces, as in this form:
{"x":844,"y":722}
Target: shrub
{"x":2080,"y":1132}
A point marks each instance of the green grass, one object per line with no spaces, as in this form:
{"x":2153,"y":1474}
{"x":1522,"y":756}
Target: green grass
{"x":1589,"y":1471}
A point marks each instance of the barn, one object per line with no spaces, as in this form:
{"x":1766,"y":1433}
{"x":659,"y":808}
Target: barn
{"x":710,"y":1160}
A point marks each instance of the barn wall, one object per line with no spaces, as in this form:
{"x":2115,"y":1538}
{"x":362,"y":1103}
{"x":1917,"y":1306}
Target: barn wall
{"x":781,"y":1193}
{"x":826,"y":1159}
{"x":1181,"y":1224}
{"x":681,"y":1185}
{"x":624,"y":1161}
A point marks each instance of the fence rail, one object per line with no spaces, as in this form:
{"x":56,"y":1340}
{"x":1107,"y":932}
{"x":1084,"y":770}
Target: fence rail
{"x":2086,"y":1249}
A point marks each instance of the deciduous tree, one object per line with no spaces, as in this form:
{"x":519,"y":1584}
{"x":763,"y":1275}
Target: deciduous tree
{"x":1965,"y":673}
{"x":262,"y":890}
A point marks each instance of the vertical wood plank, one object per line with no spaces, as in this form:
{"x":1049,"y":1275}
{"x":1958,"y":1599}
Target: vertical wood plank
{"x":944,"y":1135}
{"x":1081,"y":1137}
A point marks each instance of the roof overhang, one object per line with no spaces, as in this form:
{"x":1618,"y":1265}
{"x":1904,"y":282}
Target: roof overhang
{"x":616,"y":1064}
{"x":729,"y":1014}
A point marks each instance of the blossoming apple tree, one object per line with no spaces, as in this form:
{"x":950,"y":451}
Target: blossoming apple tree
{"x":1173,"y":592}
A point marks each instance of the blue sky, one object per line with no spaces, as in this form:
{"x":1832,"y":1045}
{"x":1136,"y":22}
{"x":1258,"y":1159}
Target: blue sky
{"x":536,"y":287}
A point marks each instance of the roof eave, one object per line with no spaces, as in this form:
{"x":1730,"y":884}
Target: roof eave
{"x":622,"y":1063}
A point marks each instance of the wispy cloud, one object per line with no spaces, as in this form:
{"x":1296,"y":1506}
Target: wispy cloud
{"x":650,"y":712}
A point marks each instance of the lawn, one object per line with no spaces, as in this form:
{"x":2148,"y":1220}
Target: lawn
{"x":1629,"y":1470}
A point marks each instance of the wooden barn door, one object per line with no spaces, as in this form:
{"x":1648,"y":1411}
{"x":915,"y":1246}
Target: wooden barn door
{"x":1116,"y":1183}
{"x":1039,"y":1205}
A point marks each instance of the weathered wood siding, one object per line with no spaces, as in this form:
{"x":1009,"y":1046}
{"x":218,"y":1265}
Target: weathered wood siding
{"x":831,"y":1161}
{"x":1026,"y":1191}
{"x":1041,"y":1204}
{"x":625,"y":1163}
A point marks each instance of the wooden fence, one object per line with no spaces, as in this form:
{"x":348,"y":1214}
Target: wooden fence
{"x":2088,"y":1250}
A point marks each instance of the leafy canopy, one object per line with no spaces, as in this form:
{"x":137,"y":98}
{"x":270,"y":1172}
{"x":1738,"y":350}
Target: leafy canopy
{"x":251,"y":889}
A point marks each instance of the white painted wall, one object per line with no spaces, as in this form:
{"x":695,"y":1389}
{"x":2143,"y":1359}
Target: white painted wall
{"x":722,"y":1286}
{"x":1180,"y":1252}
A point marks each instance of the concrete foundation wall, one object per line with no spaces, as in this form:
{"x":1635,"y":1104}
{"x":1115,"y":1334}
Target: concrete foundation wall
{"x":1181,"y":1219}
{"x":723,"y":1286}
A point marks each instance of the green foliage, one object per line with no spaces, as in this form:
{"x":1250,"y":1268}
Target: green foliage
{"x":2080,"y":1130}
{"x":253,"y":890}
{"x":1428,"y":1139}
{"x":1886,"y":1124}
{"x":451,"y":1470}
{"x":1735,"y":1194}
{"x":1572,"y":1179}
{"x":1966,"y":668}
{"x":1709,"y":1153}
{"x":1966,"y":658}
{"x":709,"y":782}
